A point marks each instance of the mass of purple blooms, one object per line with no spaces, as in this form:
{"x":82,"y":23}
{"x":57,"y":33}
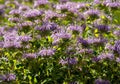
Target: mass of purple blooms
{"x":59,"y":42}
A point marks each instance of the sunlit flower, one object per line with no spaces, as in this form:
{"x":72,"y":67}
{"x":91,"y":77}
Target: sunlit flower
{"x":32,"y":13}
{"x":75,"y":29}
{"x":47,"y":27}
{"x":117,"y":33}
{"x":114,"y":4}
{"x":15,"y":12}
{"x":97,"y":41}
{"x":106,"y":55}
{"x":118,"y":59}
{"x":40,"y":2}
{"x":11,"y":40}
{"x":85,"y":51}
{"x":23,"y":8}
{"x":8,"y":77}
{"x":25,"y":38}
{"x":14,"y":19}
{"x":29,"y":55}
{"x":51,"y":15}
{"x":63,"y":62}
{"x":25,"y":24}
{"x":97,"y":1}
{"x":61,"y":35}
{"x":93,"y":13}
{"x":46,"y":52}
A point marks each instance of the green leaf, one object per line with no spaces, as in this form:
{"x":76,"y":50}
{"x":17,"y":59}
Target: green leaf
{"x":35,"y":80}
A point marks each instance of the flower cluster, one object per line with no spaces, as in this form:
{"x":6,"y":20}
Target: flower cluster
{"x":100,"y":81}
{"x":8,"y":77}
{"x":71,"y":61}
{"x":11,"y":40}
{"x":40,"y":2}
{"x":46,"y":52}
{"x":59,"y":42}
{"x":32,"y":13}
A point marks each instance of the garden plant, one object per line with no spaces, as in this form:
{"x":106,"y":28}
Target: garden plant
{"x":59,"y":42}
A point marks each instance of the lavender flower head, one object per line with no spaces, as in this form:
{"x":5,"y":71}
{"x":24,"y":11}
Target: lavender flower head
{"x":61,"y":35}
{"x":10,"y":36}
{"x":15,"y":12}
{"x":117,"y":47}
{"x":69,"y":6}
{"x":101,"y":81}
{"x":109,"y":47}
{"x":118,"y":59}
{"x":63,"y":62}
{"x":32,"y":13}
{"x":95,"y":59}
{"x":8,"y":77}
{"x":46,"y":52}
{"x":97,"y":41}
{"x":2,"y":31}
{"x":56,"y":41}
{"x":70,"y":50}
{"x":25,"y":25}
{"x":83,"y":42}
{"x":105,"y":56}
{"x":23,"y":8}
{"x":47,"y":27}
{"x":30,"y":55}
{"x":9,"y":44}
{"x":117,"y":33}
{"x":72,"y":7}
{"x":2,"y":6}
{"x":40,"y":2}
{"x":1,"y":44}
{"x":80,"y":17}
{"x":65,"y":6}
{"x":71,"y":61}
{"x":1,"y":11}
{"x":81,"y":5}
{"x":92,"y":13}
{"x":97,"y":1}
{"x":11,"y":40}
{"x":114,"y":4}
{"x":75,"y":29}
{"x":25,"y":38}
{"x":57,"y":37}
{"x":106,"y":2}
{"x":83,"y":51}
{"x":103,"y":28}
{"x":51,"y":14}
{"x":14,"y":19}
